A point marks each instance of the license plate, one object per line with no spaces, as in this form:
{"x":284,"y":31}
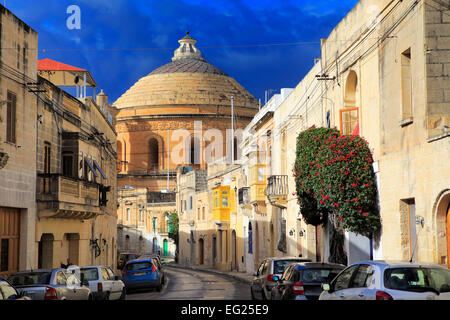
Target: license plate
{"x":139,"y":274}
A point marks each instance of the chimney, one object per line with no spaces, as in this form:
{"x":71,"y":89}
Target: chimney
{"x":102,"y":99}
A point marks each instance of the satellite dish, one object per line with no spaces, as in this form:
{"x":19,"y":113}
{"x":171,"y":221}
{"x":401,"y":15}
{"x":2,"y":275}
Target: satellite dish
{"x":77,"y":79}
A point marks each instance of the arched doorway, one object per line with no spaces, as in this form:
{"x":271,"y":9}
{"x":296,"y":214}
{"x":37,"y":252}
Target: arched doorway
{"x":165,"y":247}
{"x":155,"y":245}
{"x":201,"y":250}
{"x":349,"y":115}
{"x":234,"y":262}
{"x":442,"y":211}
{"x":153,"y":154}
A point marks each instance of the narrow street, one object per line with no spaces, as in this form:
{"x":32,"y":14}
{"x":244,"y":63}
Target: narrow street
{"x":184,"y":284}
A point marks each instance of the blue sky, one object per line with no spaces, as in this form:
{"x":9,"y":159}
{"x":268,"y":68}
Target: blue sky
{"x":126,"y":24}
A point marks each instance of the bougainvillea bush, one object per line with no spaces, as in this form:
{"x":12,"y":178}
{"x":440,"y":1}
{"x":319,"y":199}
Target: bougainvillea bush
{"x":334,"y":175}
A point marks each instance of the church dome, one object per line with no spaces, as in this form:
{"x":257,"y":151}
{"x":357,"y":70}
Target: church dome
{"x":187,"y":85}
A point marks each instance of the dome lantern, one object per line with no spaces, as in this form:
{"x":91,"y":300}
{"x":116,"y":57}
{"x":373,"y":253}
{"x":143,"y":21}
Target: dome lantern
{"x":187,"y":49}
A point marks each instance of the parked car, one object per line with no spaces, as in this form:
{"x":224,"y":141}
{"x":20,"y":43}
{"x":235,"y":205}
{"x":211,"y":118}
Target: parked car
{"x":50,"y":284}
{"x":123,"y":257}
{"x":263,"y":282}
{"x":8,"y":292}
{"x":159,"y":264}
{"x":104,"y":284}
{"x":303,"y":281}
{"x":389,"y":280}
{"x":142,"y":273}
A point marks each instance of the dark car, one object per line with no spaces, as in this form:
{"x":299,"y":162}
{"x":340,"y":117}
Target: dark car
{"x":142,"y":274}
{"x":303,"y":281}
{"x":263,"y":281}
{"x":8,"y":292}
{"x":124,"y":257}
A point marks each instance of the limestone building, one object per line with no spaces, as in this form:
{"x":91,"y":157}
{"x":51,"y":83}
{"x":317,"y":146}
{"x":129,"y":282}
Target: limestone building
{"x":17,"y":143}
{"x":178,"y":115}
{"x":76,"y":173}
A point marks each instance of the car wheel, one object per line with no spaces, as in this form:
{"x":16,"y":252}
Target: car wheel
{"x":123,"y":295}
{"x":159,"y":287}
{"x":107,"y":296}
{"x":90,"y":297}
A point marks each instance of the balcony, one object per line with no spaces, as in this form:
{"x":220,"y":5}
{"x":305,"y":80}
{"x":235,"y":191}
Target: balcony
{"x":277,"y":190}
{"x":257,"y":183}
{"x":63,"y":197}
{"x":223,"y":202}
{"x":244,"y":196}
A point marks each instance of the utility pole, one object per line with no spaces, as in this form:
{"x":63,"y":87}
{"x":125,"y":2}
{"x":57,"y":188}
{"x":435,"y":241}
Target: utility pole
{"x":232,"y":130}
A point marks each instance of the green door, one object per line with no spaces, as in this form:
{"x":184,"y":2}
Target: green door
{"x":165,"y":247}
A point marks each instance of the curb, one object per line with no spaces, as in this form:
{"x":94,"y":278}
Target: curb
{"x":209,"y":271}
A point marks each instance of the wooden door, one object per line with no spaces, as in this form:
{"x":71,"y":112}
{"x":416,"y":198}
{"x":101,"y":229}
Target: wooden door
{"x":448,"y":236}
{"x":9,"y":240}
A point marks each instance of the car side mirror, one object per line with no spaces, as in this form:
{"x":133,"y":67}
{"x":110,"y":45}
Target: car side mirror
{"x":275,"y":278}
{"x":85,"y":283}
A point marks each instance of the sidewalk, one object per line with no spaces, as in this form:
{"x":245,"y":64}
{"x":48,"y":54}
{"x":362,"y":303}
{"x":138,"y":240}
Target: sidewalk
{"x":240,"y":276}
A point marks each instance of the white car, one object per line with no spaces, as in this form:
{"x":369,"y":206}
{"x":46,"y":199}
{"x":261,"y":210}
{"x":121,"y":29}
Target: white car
{"x":389,"y":280}
{"x":104,"y":284}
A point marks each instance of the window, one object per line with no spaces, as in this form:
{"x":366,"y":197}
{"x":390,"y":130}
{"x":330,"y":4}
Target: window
{"x":141,"y":215}
{"x":81,"y":166}
{"x":190,"y":203}
{"x":67,"y":164}
{"x":343,"y":281}
{"x":47,"y":154}
{"x":18,"y":56}
{"x":198,"y":213}
{"x":363,"y":277}
{"x":110,"y":273}
{"x":260,"y":174}
{"x":153,"y":154}
{"x":61,"y":279}
{"x":406,"y":76}
{"x":25,"y":56}
{"x":203,"y":209}
{"x":11,"y":117}
{"x":105,"y":275}
{"x":319,"y":275}
{"x":4,"y":257}
{"x":128,"y":214}
{"x":417,"y":279}
{"x":7,"y":291}
{"x":349,"y":120}
{"x":225,"y":202}
{"x":185,"y":206}
{"x":90,"y":274}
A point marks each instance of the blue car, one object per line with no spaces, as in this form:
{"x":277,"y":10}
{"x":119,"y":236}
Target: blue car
{"x":141,"y":274}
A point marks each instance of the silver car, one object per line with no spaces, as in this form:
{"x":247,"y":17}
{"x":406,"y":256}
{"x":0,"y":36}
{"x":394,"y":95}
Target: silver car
{"x":389,"y":280}
{"x":50,"y":284}
{"x":263,"y":281}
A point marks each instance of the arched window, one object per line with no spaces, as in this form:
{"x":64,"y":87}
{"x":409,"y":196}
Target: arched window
{"x":194,"y":151}
{"x":153,"y":154}
{"x":119,"y":156}
{"x":349,"y":116}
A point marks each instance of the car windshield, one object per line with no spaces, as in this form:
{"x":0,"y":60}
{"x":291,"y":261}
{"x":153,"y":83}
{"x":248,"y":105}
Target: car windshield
{"x":418,"y":279}
{"x":280,"y":265}
{"x":319,"y":275}
{"x":139,"y":266}
{"x":30,"y":278}
{"x":90,"y":274}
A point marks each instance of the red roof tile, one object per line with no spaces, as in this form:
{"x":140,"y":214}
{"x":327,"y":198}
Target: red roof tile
{"x":48,"y":64}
